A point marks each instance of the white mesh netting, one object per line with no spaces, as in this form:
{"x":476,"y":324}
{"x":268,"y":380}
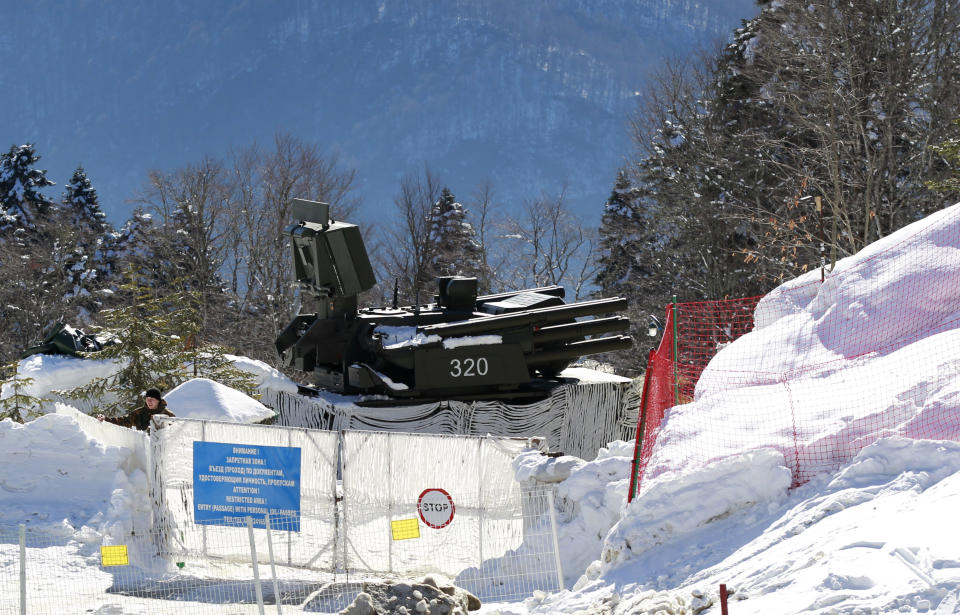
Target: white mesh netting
{"x":384,"y":475}
{"x":577,"y":418}
{"x":173,"y":490}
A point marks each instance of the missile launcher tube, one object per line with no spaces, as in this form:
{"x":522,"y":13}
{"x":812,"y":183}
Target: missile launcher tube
{"x":553,"y":314}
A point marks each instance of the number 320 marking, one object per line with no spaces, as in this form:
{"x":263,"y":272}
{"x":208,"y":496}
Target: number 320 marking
{"x":468,"y":367}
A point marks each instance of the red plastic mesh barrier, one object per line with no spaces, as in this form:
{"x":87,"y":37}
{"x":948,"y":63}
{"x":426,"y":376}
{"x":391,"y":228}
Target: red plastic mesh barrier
{"x":701,"y":330}
{"x":830,"y":367}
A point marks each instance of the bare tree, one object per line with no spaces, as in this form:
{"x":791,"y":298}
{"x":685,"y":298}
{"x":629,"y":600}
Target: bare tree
{"x":548,"y":245}
{"x":404,"y":251}
{"x":484,"y":210}
{"x":262,"y":185}
{"x":193,"y":210}
{"x":860,"y":95}
{"x":220,"y":231}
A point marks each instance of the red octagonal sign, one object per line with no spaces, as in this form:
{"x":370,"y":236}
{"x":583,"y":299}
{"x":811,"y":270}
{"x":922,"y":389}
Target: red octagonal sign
{"x":436,"y":508}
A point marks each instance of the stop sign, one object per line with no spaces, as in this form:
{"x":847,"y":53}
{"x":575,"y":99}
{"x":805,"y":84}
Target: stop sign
{"x":436,"y":508}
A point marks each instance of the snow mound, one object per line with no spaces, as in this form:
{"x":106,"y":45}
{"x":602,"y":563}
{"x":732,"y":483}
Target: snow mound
{"x":590,"y":494}
{"x":266,"y":377}
{"x":58,"y":372}
{"x":202,"y":398}
{"x":54,"y":472}
{"x":896,"y":291}
{"x":673,"y":509}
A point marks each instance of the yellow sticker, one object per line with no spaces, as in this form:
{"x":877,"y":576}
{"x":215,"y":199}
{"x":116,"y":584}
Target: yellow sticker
{"x":114,"y":555}
{"x":405,"y":528}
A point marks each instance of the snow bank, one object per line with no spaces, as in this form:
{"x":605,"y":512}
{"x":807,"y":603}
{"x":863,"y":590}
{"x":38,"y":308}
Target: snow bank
{"x":58,"y":372}
{"x":266,"y":377}
{"x":201,"y":398}
{"x":590,"y":495}
{"x":55,"y":473}
{"x":875,"y":537}
{"x":872,"y":352}
{"x":898,"y":289}
{"x":675,"y":508}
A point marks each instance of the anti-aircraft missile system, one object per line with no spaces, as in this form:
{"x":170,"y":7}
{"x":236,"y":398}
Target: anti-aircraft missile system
{"x":459,"y":346}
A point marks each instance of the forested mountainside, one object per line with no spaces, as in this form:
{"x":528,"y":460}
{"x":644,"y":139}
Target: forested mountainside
{"x":532,"y":96}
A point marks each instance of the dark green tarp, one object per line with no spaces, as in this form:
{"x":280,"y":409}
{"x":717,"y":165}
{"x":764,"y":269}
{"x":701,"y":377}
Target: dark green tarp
{"x":64,"y":339}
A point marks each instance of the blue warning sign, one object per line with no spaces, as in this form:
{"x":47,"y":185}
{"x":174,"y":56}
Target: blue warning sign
{"x":234,"y":481}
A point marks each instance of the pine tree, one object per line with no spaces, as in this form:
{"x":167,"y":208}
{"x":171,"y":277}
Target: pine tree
{"x":155,"y":344}
{"x":31,"y":259}
{"x":135,"y":248}
{"x":455,"y":249}
{"x":838,"y":100}
{"x":949,"y":150}
{"x":632,"y":264}
{"x":14,"y":402}
{"x":84,"y":235}
{"x":831,"y":99}
{"x":23,"y":208}
{"x":622,"y":233}
{"x":82,"y":205}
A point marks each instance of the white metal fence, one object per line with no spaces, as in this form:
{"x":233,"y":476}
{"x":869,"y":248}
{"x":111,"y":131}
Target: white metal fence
{"x":242,"y":569}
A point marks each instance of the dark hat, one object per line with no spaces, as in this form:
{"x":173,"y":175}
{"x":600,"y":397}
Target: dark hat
{"x":154,"y":393}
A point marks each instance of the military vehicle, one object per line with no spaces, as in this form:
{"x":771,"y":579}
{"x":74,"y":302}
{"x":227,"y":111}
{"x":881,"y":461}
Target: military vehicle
{"x":458,"y":346}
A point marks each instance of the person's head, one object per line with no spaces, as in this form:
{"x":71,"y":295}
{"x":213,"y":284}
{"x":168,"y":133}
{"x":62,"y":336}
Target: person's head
{"x":152,"y":398}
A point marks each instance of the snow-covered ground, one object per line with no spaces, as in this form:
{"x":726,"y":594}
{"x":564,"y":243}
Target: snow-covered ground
{"x":875,"y":536}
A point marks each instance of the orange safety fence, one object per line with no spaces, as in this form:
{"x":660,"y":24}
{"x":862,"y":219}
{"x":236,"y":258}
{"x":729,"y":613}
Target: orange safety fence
{"x":694,"y":331}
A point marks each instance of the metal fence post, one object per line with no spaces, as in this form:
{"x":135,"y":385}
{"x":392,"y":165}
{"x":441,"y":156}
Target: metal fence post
{"x":480,"y":495}
{"x":256,"y":570}
{"x":273,"y":566}
{"x":23,"y":569}
{"x":556,"y":543}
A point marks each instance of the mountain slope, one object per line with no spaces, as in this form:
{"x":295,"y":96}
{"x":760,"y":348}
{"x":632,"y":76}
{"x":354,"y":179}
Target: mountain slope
{"x":532,"y":96}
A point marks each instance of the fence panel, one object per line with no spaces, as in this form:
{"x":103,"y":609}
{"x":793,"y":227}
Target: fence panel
{"x":137,"y":574}
{"x":309,"y":545}
{"x":390,"y":471}
{"x":68,"y":573}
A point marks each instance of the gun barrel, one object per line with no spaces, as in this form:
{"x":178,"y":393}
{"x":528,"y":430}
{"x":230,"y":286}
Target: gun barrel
{"x":575,"y":330}
{"x":575,"y":350}
{"x":556,"y":313}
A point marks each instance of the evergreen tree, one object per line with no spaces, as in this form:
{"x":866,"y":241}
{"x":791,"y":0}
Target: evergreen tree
{"x":623,"y":234}
{"x":15,"y":403}
{"x":23,"y":208}
{"x":829,"y":98}
{"x":188,"y":240}
{"x":632,"y":264}
{"x":82,"y":206}
{"x":454,"y":247}
{"x":196,"y":253}
{"x":31,"y":259}
{"x":155,"y":344}
{"x":949,"y":150}
{"x":84,"y":235}
{"x":837,"y":100}
{"x":135,"y":248}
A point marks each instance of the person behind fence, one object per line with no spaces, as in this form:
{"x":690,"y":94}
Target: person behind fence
{"x":139,"y":418}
